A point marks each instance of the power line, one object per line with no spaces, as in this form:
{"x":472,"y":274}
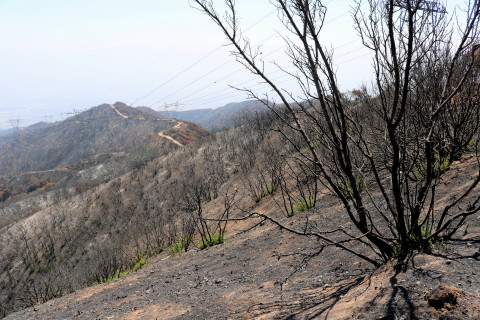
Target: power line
{"x":208,"y":55}
{"x":229,"y":88}
{"x":192,"y":82}
{"x":243,"y":83}
{"x":185,"y":70}
{"x":209,"y":84}
{"x":227,"y":95}
{"x":177,"y":75}
{"x":228,"y":75}
{"x":195,"y":63}
{"x":238,"y":92}
{"x":172,"y":48}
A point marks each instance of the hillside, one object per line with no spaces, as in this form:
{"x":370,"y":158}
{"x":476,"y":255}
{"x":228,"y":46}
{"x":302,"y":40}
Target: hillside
{"x":267,"y":273}
{"x":92,"y":235}
{"x":214,"y":119}
{"x":99,"y":130}
{"x":4,"y":132}
{"x":48,"y":162}
{"x":61,"y":262}
{"x":349,"y":189}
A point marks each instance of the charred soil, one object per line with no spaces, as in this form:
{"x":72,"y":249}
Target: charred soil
{"x":263,"y":272}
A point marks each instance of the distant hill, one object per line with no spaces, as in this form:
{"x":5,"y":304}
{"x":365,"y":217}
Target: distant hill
{"x":87,"y":149}
{"x":99,"y":130}
{"x":213,"y":119}
{"x":4,"y":132}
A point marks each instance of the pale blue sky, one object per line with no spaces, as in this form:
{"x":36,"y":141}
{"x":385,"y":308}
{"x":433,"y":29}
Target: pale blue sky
{"x":58,"y":55}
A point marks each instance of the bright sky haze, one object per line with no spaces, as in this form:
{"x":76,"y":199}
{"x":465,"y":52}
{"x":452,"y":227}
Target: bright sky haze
{"x":58,"y":56}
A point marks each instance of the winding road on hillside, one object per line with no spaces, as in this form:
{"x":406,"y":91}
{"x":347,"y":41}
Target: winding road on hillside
{"x":162,"y":133}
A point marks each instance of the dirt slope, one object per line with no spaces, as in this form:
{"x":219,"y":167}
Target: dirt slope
{"x":242,"y":279}
{"x":262,"y":274}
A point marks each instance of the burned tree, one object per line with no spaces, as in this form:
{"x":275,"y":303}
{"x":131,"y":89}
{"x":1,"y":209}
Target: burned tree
{"x":383,"y":154}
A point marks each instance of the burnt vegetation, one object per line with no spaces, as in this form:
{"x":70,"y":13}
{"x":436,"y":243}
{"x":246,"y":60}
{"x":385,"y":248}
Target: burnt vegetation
{"x":400,"y":134}
{"x":105,"y":232}
{"x":381,"y":152}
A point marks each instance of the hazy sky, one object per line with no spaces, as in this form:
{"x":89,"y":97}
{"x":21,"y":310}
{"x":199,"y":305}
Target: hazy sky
{"x":58,"y":55}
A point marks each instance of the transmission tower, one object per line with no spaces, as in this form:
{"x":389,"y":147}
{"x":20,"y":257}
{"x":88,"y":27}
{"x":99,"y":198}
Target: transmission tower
{"x":16,"y":130}
{"x":48,"y":118}
{"x":15,"y":123}
{"x":170,"y":108}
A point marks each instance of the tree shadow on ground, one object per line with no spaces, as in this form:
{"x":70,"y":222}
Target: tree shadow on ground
{"x":399,"y":304}
{"x":311,"y":305}
{"x":320,"y":302}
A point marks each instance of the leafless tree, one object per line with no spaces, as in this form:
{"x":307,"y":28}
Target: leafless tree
{"x":41,"y":289}
{"x":262,"y":178}
{"x":111,"y":261}
{"x":196,"y":192}
{"x":382,"y":156}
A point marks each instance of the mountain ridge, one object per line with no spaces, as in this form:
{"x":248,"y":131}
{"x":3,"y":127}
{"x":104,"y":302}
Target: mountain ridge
{"x":81,"y":152}
{"x":215,"y":119}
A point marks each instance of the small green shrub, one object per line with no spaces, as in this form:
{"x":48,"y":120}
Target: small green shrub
{"x":268,"y":191}
{"x":300,"y":206}
{"x":415,"y":243}
{"x":215,"y":196}
{"x":180,"y":245}
{"x":116,"y":276}
{"x":419,"y":171}
{"x":43,"y":269}
{"x":140,"y":262}
{"x":347,"y":190}
{"x":459,"y":151}
{"x":215,"y":239}
{"x":138,"y":265}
